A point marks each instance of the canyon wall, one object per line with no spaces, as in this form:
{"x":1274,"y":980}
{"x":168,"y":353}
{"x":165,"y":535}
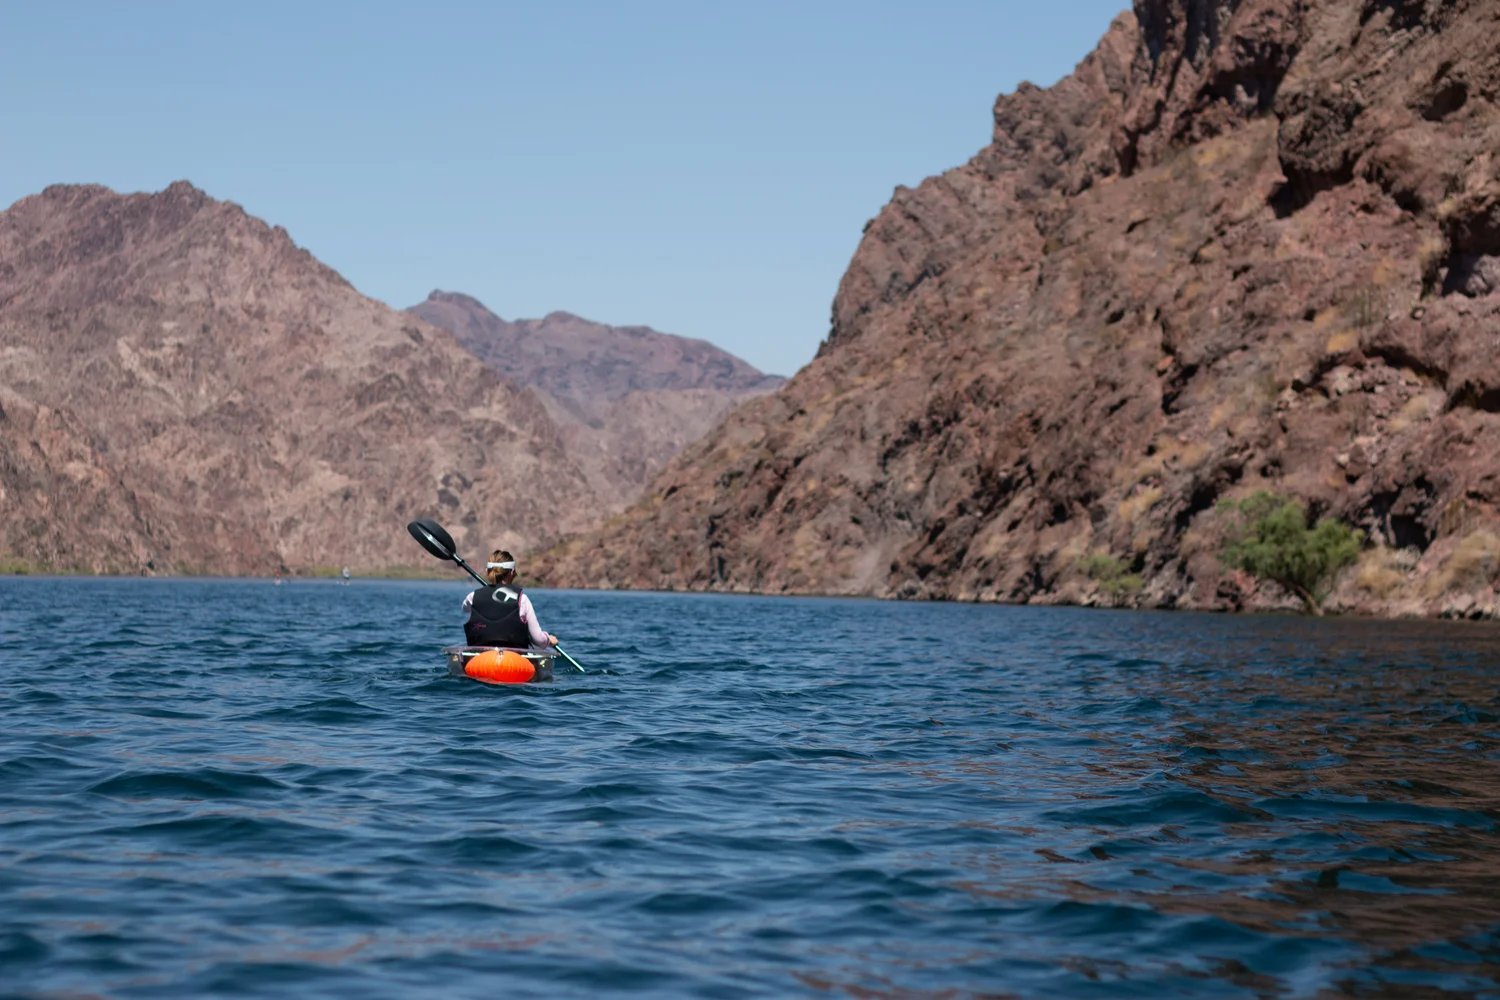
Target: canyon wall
{"x":1247,"y":244}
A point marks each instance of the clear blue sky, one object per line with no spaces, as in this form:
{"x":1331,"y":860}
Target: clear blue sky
{"x":703,"y":168}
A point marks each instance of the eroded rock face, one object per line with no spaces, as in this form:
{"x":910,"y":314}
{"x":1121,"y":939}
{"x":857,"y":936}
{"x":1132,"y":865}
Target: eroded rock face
{"x":625,"y":399}
{"x":63,"y":505}
{"x":185,"y":390}
{"x":1245,"y":245}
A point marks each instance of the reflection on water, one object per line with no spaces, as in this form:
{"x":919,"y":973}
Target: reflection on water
{"x":1322,"y":781}
{"x":1382,"y":746}
{"x":234,"y":788}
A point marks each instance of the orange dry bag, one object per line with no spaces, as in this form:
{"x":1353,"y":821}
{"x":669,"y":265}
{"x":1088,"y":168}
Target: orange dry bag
{"x":500,"y":666}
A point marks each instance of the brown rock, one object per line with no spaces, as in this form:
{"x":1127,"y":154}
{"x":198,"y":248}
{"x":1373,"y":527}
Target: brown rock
{"x":63,"y":505}
{"x":626,"y":399}
{"x":1242,"y":240}
{"x":186,"y":390}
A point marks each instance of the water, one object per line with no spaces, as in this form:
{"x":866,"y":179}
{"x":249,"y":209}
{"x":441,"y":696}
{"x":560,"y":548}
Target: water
{"x":214,"y":788}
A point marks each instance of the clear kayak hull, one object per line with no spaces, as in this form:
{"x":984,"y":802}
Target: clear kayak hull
{"x":498,"y":665}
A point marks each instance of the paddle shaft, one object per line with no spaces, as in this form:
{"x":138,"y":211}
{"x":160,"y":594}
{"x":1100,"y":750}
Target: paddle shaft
{"x":576,"y":665}
{"x":482,"y":581}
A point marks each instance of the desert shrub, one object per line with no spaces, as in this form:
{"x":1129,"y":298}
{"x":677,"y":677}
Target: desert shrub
{"x":1270,"y":539}
{"x":15,"y":566}
{"x":1113,"y":575}
{"x":1131,"y":508}
{"x":1381,"y":573}
{"x":1100,"y":566}
{"x":1473,"y":564}
{"x":1431,"y":257}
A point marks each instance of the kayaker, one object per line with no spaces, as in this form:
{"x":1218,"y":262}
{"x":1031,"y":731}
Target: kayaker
{"x":500,"y":614}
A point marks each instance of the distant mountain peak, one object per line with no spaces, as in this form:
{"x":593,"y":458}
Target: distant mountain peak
{"x":586,"y":364}
{"x":628,"y":397}
{"x":456,"y":298}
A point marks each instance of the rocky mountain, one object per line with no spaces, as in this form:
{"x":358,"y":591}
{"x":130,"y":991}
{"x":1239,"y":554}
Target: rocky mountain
{"x":627,"y":398}
{"x":183,"y":389}
{"x":1247,"y":244}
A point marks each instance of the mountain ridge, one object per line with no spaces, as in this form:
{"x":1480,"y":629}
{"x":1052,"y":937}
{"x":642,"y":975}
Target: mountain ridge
{"x":222,"y":401}
{"x":654,"y":360}
{"x":626,"y":399}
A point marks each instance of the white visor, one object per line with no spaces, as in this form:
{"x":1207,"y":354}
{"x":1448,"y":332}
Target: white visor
{"x":504,"y":565}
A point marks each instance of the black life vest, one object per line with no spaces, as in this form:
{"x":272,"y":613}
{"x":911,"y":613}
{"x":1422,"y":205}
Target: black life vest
{"x":495,"y":619}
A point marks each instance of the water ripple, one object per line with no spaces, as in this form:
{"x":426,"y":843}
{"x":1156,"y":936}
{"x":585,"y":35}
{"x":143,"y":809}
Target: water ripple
{"x":253,"y":790}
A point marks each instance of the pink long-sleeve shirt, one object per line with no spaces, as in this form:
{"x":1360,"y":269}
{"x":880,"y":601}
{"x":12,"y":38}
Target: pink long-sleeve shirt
{"x":528,"y":615}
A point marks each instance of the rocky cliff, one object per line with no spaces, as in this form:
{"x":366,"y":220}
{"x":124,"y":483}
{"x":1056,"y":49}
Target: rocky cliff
{"x":1246,"y":244}
{"x":183,"y":389}
{"x":626,"y":399}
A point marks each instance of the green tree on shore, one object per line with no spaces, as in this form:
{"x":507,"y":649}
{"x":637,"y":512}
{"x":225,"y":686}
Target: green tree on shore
{"x":1113,"y":576}
{"x":1271,"y":540}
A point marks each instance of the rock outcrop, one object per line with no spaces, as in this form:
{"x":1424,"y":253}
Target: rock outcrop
{"x":183,"y":389}
{"x":626,"y":399}
{"x":1248,"y":244}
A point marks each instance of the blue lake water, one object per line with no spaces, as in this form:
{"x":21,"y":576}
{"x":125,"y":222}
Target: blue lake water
{"x":226,"y":788}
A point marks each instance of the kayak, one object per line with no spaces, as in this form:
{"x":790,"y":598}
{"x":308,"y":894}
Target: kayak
{"x":486,"y":663}
{"x":497,"y":665}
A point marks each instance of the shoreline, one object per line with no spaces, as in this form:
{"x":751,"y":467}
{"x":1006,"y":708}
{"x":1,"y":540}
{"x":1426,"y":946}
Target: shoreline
{"x":1268,"y":608}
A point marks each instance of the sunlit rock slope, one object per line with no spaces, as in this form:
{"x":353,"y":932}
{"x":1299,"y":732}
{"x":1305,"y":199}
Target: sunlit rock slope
{"x":183,"y":389}
{"x":1244,"y":245}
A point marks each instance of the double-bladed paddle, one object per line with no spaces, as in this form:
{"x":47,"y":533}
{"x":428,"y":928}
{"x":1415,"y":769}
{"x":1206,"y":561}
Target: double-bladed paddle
{"x":431,"y":536}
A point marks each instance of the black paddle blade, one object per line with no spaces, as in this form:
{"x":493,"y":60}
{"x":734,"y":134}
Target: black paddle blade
{"x":431,"y":536}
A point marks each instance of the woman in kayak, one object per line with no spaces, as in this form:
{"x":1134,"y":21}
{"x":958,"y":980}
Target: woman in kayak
{"x":500,"y":614}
